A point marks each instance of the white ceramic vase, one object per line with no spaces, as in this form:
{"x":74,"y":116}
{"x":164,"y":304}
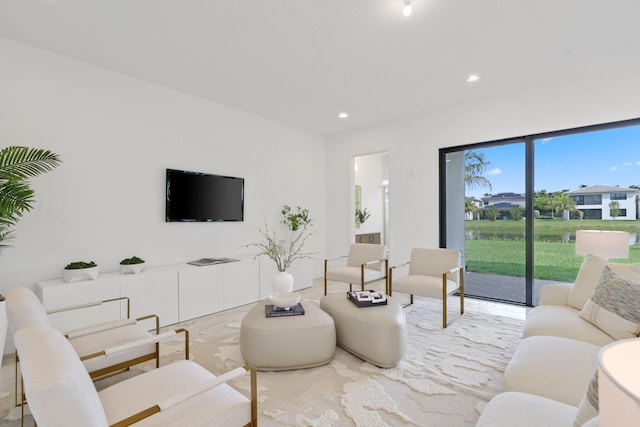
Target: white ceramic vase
{"x":282,"y":282}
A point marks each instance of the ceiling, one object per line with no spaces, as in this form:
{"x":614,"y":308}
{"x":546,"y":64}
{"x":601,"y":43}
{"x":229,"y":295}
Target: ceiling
{"x":301,"y":62}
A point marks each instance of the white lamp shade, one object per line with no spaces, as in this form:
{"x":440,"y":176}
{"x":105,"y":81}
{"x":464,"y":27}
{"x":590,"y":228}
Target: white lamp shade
{"x":605,"y":244}
{"x":619,"y":383}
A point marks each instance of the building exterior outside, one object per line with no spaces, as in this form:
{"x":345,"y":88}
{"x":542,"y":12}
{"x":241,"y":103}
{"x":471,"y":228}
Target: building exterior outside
{"x":594,"y":201}
{"x":504,"y":202}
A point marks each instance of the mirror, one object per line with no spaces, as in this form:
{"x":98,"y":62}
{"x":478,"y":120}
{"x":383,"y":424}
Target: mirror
{"x":371,"y":198}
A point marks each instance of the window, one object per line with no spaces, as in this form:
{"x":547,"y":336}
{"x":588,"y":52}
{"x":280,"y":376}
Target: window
{"x":589,"y":199}
{"x":510,"y":257}
{"x":621,"y":212}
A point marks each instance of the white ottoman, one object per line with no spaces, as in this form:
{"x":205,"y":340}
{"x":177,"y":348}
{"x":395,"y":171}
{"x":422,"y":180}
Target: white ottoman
{"x":553,"y":367}
{"x":288,"y":342}
{"x":375,"y":334}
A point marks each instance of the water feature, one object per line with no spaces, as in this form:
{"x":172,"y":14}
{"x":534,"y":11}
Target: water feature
{"x":565,"y":237}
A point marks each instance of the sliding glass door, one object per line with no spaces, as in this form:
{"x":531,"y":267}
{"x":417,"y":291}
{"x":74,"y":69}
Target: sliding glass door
{"x":513,"y":206}
{"x":485,"y":218}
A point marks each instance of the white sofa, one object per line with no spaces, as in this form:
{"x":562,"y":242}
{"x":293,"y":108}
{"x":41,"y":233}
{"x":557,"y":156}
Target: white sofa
{"x":557,"y":315}
{"x":551,"y":369}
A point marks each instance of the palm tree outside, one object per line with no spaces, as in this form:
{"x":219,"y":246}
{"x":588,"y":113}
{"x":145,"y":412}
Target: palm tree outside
{"x":563,"y":204}
{"x":475,"y":167}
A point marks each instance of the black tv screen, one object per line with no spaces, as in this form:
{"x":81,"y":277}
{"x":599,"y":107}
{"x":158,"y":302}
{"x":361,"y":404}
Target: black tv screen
{"x":196,"y":196}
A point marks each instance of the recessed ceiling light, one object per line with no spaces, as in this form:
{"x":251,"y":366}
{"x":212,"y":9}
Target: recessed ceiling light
{"x":343,"y":115}
{"x":473,"y":78}
{"x":406,"y":9}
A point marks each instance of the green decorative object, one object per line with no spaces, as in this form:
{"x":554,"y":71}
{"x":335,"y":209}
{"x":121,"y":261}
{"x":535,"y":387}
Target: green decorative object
{"x":80,"y":264}
{"x":133,"y":265}
{"x":295,"y":220}
{"x":361,"y":216}
{"x":80,"y":270}
{"x":132,"y":260}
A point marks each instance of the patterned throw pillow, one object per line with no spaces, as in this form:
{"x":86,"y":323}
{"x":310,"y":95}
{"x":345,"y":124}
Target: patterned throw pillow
{"x":589,"y":405}
{"x":614,"y":305}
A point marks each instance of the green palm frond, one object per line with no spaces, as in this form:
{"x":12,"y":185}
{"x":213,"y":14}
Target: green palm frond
{"x":17,"y":164}
{"x":23,"y":162}
{"x":15,"y":198}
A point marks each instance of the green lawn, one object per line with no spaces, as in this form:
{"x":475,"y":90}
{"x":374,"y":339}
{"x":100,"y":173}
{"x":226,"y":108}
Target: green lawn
{"x":553,"y":260}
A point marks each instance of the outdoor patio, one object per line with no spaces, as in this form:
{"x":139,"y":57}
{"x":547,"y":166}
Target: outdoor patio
{"x":502,"y":288}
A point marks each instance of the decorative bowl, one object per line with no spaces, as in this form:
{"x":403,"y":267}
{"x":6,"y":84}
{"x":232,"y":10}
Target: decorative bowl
{"x":132,"y":268}
{"x":285,"y":300}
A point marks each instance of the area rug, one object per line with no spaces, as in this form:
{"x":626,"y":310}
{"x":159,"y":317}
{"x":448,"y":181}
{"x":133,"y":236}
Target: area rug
{"x":445,"y":379}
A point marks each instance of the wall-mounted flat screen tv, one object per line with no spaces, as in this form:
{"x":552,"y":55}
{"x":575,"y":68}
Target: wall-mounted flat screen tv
{"x":196,"y":196}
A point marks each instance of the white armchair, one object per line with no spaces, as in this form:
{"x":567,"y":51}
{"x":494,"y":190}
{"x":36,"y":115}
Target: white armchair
{"x":434,"y":273}
{"x":60,"y":392}
{"x":366,"y":263}
{"x":104,"y":348}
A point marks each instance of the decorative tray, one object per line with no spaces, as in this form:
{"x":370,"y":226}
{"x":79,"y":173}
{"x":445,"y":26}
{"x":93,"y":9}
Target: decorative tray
{"x":367,"y":298}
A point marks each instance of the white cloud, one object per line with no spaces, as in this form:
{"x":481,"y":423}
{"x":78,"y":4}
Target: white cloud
{"x":627,"y":163}
{"x":613,"y":168}
{"x":495,"y":171}
{"x":638,"y":163}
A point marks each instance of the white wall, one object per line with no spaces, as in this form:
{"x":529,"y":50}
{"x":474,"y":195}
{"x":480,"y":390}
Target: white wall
{"x":595,"y":97}
{"x":116,"y":135}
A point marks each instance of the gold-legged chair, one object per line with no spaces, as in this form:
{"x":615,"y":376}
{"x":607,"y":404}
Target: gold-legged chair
{"x":104,"y":348}
{"x":366,"y":263}
{"x":59,"y":390}
{"x":433,"y":272}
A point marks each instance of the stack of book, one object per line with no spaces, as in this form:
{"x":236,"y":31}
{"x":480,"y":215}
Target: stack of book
{"x":271,"y":311}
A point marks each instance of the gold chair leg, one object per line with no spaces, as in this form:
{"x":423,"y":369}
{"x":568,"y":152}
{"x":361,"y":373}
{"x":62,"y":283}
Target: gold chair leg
{"x":444,"y":300}
{"x":15,"y":385}
{"x":325,"y":277}
{"x":444,"y":312}
{"x":461,"y":291}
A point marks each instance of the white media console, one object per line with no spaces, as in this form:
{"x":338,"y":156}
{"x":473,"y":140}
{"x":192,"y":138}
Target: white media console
{"x":175,"y":293}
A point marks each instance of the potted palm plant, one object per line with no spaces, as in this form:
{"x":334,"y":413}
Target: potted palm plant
{"x":17,"y":165}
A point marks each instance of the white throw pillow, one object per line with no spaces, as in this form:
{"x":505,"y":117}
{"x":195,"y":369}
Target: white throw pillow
{"x":588,"y":276}
{"x":614,"y":305}
{"x":588,"y":408}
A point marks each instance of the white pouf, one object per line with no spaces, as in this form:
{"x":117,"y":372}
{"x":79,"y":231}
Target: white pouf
{"x":552,"y":367}
{"x":287,"y":342}
{"x":375,"y":334}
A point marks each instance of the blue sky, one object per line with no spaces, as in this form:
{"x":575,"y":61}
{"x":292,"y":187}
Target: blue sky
{"x":609,"y":157}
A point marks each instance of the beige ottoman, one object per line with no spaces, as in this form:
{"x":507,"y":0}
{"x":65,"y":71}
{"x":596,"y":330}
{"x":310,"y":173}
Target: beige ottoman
{"x":375,"y":334}
{"x":288,"y":342}
{"x":553,"y":367}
